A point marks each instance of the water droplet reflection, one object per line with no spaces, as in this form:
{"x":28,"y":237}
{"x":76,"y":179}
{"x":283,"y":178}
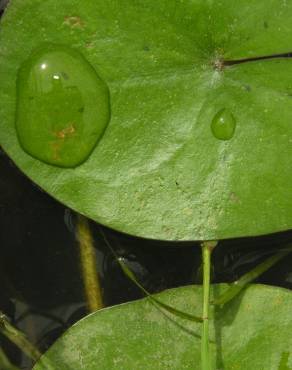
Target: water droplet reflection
{"x":62,"y":107}
{"x":223,"y":125}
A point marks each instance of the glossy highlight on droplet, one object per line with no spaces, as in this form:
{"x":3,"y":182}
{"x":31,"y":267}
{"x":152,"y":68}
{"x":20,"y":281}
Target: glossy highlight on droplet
{"x":63,"y":106}
{"x":223,"y":125}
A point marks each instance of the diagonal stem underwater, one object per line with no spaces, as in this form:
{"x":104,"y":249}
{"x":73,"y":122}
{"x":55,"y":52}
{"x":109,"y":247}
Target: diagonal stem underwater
{"x":18,"y":338}
{"x":236,"y":287}
{"x":5,"y":363}
{"x":154,"y":299}
{"x":21,"y":341}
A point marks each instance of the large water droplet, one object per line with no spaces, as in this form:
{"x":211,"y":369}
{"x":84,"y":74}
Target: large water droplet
{"x":223,"y":125}
{"x":62,"y":106}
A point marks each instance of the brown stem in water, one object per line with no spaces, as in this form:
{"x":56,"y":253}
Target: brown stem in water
{"x":92,"y":286}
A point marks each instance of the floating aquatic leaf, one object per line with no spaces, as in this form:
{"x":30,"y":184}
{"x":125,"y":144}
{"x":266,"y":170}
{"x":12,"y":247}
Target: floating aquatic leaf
{"x":138,"y":335}
{"x":158,"y":171}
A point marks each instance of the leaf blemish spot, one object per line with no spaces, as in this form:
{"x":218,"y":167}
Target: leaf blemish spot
{"x":64,"y":75}
{"x":66,"y":132}
{"x":234,"y":198}
{"x":247,"y":88}
{"x":73,"y":22}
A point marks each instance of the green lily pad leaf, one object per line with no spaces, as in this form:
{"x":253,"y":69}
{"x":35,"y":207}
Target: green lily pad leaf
{"x":161,"y":169}
{"x":139,"y":335}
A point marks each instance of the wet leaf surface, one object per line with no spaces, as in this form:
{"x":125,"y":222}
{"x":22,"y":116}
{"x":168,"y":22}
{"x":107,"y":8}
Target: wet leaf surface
{"x":251,"y":332}
{"x":158,"y":171}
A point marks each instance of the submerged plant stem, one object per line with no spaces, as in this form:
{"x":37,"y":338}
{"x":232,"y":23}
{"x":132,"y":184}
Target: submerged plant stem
{"x":18,"y":338}
{"x":5,"y":363}
{"x":90,"y":276}
{"x":207,"y":248}
{"x":236,"y":287}
{"x":155,"y":300}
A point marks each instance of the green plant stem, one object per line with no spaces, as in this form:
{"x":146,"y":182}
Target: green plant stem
{"x":18,"y":338}
{"x":207,"y":248}
{"x":5,"y":363}
{"x":92,"y":286}
{"x":236,"y":287}
{"x":152,"y":298}
{"x":21,"y":341}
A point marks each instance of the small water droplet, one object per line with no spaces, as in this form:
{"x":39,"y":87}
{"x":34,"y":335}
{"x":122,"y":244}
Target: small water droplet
{"x":62,"y":106}
{"x":223,"y":125}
